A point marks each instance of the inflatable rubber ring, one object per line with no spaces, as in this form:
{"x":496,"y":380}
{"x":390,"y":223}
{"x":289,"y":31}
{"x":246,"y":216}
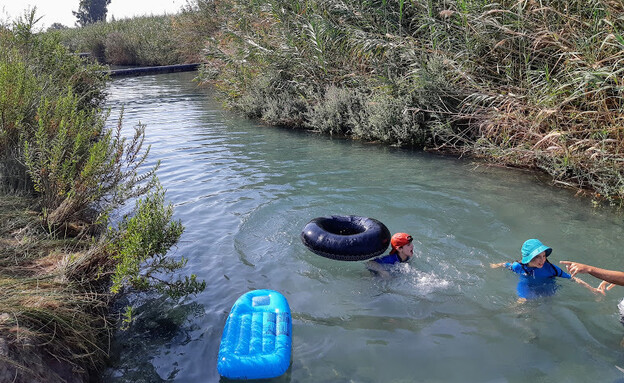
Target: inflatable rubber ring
{"x":346,"y":238}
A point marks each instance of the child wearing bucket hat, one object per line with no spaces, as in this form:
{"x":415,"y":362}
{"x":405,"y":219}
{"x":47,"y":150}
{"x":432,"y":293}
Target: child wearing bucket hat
{"x":537,"y":273}
{"x":402,"y":250}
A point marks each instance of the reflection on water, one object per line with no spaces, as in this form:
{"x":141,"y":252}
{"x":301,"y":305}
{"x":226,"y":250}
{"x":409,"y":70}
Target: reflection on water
{"x":244,"y":191}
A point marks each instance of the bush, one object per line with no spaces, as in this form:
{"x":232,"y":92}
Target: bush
{"x":392,"y":120}
{"x":338,"y":111}
{"x":141,"y":41}
{"x":139,"y":247}
{"x":35,"y":68}
{"x":274,"y":99}
{"x":56,"y":276}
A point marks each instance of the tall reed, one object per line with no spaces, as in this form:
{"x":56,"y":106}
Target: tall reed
{"x":534,"y":84}
{"x":140,"y":41}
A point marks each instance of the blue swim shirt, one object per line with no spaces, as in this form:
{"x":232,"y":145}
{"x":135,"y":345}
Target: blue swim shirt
{"x":389,"y":259}
{"x":386,"y":262}
{"x":547,"y":271}
{"x":536,"y":282}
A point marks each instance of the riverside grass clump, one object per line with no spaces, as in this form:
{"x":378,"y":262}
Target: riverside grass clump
{"x":534,"y":84}
{"x":63,"y":175}
{"x":140,"y":41}
{"x":40,"y":308}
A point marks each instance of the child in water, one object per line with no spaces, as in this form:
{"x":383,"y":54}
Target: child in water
{"x":537,"y":273}
{"x":402,"y":250}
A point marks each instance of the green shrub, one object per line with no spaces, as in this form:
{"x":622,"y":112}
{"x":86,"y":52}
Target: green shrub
{"x":390,"y":120}
{"x":35,"y":67}
{"x":274,"y":99}
{"x":338,"y":111}
{"x":139,"y":247}
{"x":56,"y":275}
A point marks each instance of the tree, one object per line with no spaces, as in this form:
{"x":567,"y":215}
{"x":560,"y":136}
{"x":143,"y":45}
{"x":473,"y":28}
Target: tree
{"x":91,"y":11}
{"x":56,"y":26}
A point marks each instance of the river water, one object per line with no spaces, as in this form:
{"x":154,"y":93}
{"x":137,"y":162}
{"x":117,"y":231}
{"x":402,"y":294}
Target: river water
{"x":244,"y":191}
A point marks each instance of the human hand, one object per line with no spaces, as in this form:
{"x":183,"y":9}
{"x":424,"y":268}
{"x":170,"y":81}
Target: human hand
{"x":604,"y":285}
{"x":575,"y":267}
{"x":497,"y":265}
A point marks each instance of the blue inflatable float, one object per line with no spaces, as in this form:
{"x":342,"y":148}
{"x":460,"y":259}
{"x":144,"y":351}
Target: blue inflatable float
{"x":257,"y":338}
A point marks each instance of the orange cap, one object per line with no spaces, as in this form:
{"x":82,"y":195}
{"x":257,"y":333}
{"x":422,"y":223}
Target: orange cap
{"x":398,"y":240}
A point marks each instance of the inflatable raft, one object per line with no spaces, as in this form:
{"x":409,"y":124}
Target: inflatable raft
{"x":257,"y":338}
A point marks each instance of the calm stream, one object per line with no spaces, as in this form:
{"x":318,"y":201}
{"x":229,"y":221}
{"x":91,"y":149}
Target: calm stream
{"x":244,"y":192}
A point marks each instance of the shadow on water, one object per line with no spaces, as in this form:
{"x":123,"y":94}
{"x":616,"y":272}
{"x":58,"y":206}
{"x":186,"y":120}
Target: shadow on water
{"x":157,"y":323}
{"x":285,"y":378}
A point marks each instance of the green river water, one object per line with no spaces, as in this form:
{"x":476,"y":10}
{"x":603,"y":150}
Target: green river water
{"x":244,"y":191}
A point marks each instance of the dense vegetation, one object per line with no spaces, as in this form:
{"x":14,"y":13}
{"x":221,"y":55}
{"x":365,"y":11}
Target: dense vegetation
{"x":141,"y":41}
{"x":534,"y":84}
{"x":63,"y":175}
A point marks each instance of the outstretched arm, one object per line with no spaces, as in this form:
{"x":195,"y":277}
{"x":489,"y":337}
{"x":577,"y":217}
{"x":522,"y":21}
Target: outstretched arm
{"x":611,"y":276}
{"x":604,"y":285}
{"x":599,"y":290}
{"x":497,"y":265}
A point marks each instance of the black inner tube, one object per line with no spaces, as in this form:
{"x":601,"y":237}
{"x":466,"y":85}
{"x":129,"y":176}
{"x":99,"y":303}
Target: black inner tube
{"x":346,"y":238}
{"x":341,"y":227}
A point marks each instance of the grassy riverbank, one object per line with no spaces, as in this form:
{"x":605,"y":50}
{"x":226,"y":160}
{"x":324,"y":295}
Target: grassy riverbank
{"x":64,"y":175}
{"x":51,"y":329}
{"x":528,"y":84}
{"x":141,"y":41}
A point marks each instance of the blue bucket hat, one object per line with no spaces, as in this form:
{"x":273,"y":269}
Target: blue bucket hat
{"x":531,"y":248}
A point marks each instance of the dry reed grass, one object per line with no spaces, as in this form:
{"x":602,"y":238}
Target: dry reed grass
{"x":44,"y":316}
{"x":534,"y":84}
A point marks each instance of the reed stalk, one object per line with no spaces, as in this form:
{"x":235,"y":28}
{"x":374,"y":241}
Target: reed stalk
{"x":534,"y":84}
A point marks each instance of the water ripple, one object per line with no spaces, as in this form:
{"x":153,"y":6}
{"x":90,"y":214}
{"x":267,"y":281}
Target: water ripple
{"x":244,"y":191}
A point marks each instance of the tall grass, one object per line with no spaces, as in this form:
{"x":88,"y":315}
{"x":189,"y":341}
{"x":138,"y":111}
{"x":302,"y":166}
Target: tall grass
{"x":61,"y":260}
{"x":534,"y":84}
{"x":140,"y":41}
{"x":39,"y":308}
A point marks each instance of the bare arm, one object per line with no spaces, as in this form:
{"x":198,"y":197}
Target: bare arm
{"x":604,"y":285}
{"x":377,"y":268}
{"x":497,"y":265}
{"x":599,"y":290}
{"x":611,"y":276}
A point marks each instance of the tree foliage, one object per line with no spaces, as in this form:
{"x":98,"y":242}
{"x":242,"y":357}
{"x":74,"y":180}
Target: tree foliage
{"x":91,"y":11}
{"x":57,"y":26}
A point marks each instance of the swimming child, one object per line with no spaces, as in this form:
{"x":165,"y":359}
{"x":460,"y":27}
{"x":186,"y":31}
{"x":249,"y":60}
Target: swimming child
{"x":402,"y":251}
{"x":537,"y":273}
